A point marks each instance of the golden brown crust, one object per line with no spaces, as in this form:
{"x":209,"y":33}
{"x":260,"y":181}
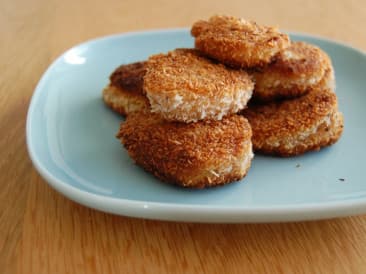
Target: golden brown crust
{"x":123,"y":101}
{"x":326,"y":135}
{"x":237,"y":42}
{"x":293,"y":72}
{"x":124,"y":94}
{"x":182,"y":85}
{"x":129,"y":77}
{"x":197,"y":155}
{"x":300,"y":58}
{"x":292,"y":127}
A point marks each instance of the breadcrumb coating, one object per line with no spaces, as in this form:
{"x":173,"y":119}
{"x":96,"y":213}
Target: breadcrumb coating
{"x":123,"y":101}
{"x":129,"y":77}
{"x":124,"y":94}
{"x":295,"y":126}
{"x":238,"y":42}
{"x":195,"y":155}
{"x":293,"y":72}
{"x":182,"y":85}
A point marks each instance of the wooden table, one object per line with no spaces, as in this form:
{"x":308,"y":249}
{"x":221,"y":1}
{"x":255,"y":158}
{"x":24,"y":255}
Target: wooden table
{"x":43,"y":232}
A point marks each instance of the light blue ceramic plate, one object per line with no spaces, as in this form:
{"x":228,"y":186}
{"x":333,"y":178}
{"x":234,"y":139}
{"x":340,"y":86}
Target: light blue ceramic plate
{"x":70,"y":137}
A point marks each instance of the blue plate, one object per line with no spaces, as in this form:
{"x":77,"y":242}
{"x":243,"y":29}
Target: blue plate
{"x":70,"y":137}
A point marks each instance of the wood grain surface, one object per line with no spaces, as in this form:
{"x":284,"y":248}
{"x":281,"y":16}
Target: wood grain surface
{"x":43,"y":232}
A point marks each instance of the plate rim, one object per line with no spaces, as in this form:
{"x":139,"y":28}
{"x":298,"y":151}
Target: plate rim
{"x":177,"y":211}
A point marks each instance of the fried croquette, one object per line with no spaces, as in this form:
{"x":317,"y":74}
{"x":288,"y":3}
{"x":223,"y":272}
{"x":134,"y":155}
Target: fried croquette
{"x":183,"y":85}
{"x":194,"y":155}
{"x":293,"y":72}
{"x":238,"y":42}
{"x":124,"y":94}
{"x":295,"y":126}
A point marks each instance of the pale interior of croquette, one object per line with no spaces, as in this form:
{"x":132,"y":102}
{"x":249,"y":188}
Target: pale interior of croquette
{"x":178,"y":105}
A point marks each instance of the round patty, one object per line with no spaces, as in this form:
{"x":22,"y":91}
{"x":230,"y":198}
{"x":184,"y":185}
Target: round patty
{"x":293,"y":72}
{"x":237,"y":42}
{"x":295,"y":126}
{"x":124,"y":94}
{"x":182,"y":85}
{"x":195,"y":155}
